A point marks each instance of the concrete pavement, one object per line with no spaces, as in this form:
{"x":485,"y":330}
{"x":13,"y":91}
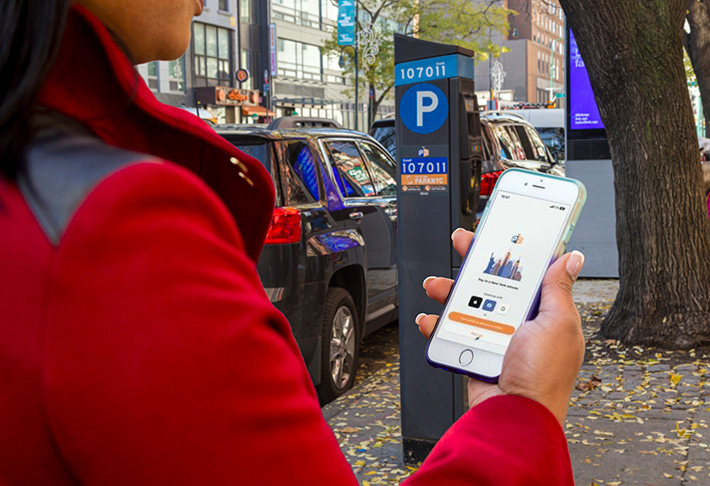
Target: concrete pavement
{"x":637,"y":417}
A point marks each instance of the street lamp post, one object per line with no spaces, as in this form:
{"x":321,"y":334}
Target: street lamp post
{"x":490,"y":67}
{"x":357,"y":69}
{"x":552,"y":59}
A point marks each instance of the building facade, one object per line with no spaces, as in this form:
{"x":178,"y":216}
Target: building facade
{"x":307,"y":82}
{"x":534,"y":64}
{"x":204,"y":78}
{"x":275,"y":47}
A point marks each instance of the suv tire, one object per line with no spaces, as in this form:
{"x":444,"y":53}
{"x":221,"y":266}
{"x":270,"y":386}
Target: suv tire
{"x":340,"y":345}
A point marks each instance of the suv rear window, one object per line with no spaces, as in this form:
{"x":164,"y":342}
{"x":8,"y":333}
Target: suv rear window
{"x":257,"y":149}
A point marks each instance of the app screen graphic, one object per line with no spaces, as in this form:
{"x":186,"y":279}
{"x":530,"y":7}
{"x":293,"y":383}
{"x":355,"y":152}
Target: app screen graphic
{"x":503,"y":270}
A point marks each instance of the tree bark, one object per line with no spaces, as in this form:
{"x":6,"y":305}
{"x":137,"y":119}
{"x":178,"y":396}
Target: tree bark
{"x":633,"y":53}
{"x":697,"y":44}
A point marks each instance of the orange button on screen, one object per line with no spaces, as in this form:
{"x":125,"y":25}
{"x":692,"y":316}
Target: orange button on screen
{"x":482,"y":323}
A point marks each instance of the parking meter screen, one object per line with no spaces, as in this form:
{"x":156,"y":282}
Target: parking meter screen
{"x":503,"y":271}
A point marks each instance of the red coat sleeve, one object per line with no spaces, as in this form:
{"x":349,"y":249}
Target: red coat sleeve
{"x":167,"y":364}
{"x":504,"y":441}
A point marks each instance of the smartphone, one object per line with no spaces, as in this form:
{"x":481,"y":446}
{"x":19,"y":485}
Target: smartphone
{"x":526,"y":226}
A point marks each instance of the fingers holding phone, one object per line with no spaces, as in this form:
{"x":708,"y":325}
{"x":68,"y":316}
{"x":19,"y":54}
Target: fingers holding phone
{"x":526,"y":226}
{"x":545,"y":355}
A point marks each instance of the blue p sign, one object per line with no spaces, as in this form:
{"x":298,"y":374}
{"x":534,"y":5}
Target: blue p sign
{"x":424,"y":108}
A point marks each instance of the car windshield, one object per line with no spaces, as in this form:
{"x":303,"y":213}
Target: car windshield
{"x":386,"y":136}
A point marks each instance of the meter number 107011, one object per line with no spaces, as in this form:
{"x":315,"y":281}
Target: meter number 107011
{"x":423,"y":167}
{"x":423,"y":72}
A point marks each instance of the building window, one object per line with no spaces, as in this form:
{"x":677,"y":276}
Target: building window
{"x":332,"y":71}
{"x":300,"y":12}
{"x":223,"y":5}
{"x":245,"y":11}
{"x":176,"y":70}
{"x":299,"y":60}
{"x":248,"y":62}
{"x":153,"y":82}
{"x":213,"y":54}
{"x":329,"y":10}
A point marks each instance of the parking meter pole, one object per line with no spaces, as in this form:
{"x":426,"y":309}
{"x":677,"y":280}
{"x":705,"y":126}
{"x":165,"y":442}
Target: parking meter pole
{"x":439,"y":168}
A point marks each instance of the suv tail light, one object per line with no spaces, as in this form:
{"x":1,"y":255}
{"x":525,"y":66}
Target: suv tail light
{"x":488,"y":181}
{"x":285,"y":227}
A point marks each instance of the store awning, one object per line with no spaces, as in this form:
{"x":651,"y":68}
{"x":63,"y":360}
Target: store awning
{"x":256,"y":110}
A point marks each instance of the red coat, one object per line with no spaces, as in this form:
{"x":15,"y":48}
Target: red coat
{"x":137,"y":345}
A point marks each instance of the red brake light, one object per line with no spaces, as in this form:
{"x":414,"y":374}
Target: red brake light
{"x":488,"y":181}
{"x":285,"y":227}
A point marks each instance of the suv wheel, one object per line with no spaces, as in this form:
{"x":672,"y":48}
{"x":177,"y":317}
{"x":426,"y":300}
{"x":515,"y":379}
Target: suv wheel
{"x":340,"y":345}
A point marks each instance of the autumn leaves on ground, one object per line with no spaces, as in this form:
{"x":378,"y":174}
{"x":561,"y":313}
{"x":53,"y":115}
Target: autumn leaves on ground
{"x":637,"y":416}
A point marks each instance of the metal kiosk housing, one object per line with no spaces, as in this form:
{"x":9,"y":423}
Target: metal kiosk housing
{"x":438,"y":133}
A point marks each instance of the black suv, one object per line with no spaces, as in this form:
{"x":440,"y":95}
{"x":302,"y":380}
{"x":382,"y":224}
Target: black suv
{"x":330,"y":260}
{"x":508,"y":141}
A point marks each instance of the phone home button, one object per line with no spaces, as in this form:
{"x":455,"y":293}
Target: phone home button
{"x":466,"y":357}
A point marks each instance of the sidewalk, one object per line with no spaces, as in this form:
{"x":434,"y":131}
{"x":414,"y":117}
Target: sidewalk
{"x":637,"y":417}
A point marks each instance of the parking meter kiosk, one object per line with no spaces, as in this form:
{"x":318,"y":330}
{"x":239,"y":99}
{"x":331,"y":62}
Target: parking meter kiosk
{"x":439,"y":171}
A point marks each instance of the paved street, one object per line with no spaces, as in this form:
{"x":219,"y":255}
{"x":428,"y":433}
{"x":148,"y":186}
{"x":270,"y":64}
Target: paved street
{"x":637,"y":417}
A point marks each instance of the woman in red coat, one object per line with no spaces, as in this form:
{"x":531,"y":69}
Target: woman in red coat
{"x":136,"y":343}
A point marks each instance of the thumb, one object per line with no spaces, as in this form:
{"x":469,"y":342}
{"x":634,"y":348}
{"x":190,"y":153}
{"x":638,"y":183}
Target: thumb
{"x":557,"y":285}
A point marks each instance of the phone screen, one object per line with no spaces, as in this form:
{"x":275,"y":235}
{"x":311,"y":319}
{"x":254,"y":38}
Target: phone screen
{"x":503,"y":271}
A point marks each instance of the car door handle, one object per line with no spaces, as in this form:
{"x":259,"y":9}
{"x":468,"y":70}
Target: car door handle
{"x":356,"y":215}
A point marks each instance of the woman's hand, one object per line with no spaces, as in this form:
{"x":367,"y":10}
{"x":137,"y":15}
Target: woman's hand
{"x":545,"y":354}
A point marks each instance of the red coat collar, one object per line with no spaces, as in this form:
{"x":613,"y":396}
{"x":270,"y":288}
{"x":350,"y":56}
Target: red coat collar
{"x":93,"y":81}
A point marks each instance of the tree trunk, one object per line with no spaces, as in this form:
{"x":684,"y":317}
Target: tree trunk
{"x":697,"y":43}
{"x":633,"y":52}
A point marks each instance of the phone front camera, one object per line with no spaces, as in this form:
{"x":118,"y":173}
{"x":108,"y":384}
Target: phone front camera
{"x":526,"y":183}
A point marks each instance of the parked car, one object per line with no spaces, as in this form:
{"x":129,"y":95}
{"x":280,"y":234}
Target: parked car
{"x":205,"y":115}
{"x":383,"y":131}
{"x":330,"y":260}
{"x":285,"y":122}
{"x":550,"y":124}
{"x":508,"y":141}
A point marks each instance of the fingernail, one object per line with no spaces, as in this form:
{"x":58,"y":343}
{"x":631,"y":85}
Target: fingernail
{"x":456,"y":231}
{"x":419,"y":318}
{"x":574,"y":264}
{"x":426,"y":281}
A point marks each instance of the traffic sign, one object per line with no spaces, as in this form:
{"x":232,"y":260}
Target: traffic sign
{"x":424,"y":108}
{"x":242,"y":75}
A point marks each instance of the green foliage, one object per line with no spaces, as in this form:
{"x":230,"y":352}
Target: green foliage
{"x":460,"y":22}
{"x":689,"y":71}
{"x":465,"y":23}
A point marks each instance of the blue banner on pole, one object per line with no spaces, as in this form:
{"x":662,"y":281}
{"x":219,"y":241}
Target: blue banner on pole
{"x":346,"y":22}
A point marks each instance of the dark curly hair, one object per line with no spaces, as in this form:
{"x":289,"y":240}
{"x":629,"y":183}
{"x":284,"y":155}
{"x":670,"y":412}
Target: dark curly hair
{"x":30,"y":34}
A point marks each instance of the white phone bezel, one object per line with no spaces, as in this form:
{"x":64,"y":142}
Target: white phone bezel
{"x":488,"y":364}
